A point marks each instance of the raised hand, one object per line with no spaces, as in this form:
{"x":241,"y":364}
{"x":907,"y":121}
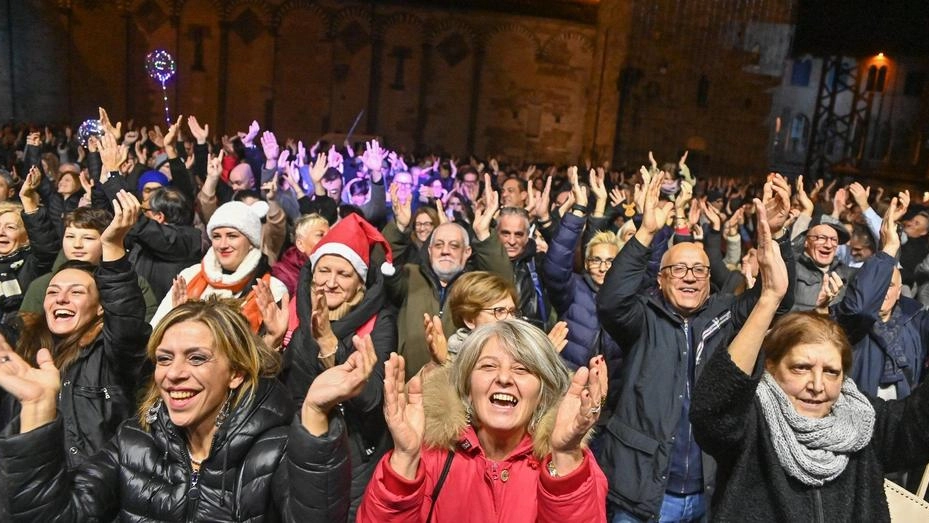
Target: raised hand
{"x":338,"y":384}
{"x":248,"y":139}
{"x":890,"y":238}
{"x":109,"y":154}
{"x":321,"y":329}
{"x":115,"y":131}
{"x":335,"y":159}
{"x":126,"y":209}
{"x":171,"y":137}
{"x":860,"y":194}
{"x":402,"y":207}
{"x":776,"y":199}
{"x":373,"y":157}
{"x":685,"y":171}
{"x":483,"y":217}
{"x":271,"y":149}
{"x":156,"y":136}
{"x":200,"y":133}
{"x":301,"y":154}
{"x":405,"y":417}
{"x":654,"y":212}
{"x":900,"y":209}
{"x":318,"y":170}
{"x":214,"y":166}
{"x":617,"y":196}
{"x":577,"y":414}
{"x":542,"y":204}
{"x":578,"y":190}
{"x":27,"y":193}
{"x":35,"y":388}
{"x":771,"y":267}
{"x":274,"y":317}
{"x":178,"y":291}
{"x":806,"y":203}
{"x":559,"y":335}
{"x":87,"y":183}
{"x":435,"y":339}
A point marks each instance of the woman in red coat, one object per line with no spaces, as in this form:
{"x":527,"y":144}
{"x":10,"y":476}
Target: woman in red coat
{"x":497,"y":436}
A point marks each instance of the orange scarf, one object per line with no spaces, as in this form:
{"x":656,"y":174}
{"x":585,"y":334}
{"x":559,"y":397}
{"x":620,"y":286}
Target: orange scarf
{"x":200,"y":282}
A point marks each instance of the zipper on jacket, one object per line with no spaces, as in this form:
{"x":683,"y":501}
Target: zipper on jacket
{"x":818,"y":515}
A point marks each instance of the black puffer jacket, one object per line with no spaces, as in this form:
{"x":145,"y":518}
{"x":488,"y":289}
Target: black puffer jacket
{"x":263,"y":466}
{"x":368,"y":436}
{"x":98,"y":390}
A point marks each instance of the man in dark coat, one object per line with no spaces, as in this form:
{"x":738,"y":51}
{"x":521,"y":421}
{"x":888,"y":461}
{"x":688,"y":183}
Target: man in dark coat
{"x":654,"y":465}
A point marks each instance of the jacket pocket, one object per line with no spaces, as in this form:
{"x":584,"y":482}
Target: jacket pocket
{"x":630,"y":457}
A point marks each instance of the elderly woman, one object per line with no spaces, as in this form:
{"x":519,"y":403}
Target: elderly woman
{"x":231,"y":268}
{"x":94,"y":328}
{"x":216,"y":438}
{"x":497,"y":436}
{"x":796,"y":440}
{"x":340,"y":296}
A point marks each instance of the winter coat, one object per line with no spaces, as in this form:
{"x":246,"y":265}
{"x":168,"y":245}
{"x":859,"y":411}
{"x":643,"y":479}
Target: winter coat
{"x":287,"y":269}
{"x":99,"y":389}
{"x":810,"y":279}
{"x":527,"y":272}
{"x":417,"y":291}
{"x":729,"y":424}
{"x":636,"y":452}
{"x":872,"y":340}
{"x":367,"y":431}
{"x":263,"y":466}
{"x":159,"y":251}
{"x":476,"y":489}
{"x":19,"y":268}
{"x":34,"y":299}
{"x":574,"y":297}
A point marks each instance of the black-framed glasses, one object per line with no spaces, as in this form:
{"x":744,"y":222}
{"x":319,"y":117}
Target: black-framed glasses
{"x":595,"y":262}
{"x":502,"y":313}
{"x":423,"y":225}
{"x":679,"y":271}
{"x":819,"y":238}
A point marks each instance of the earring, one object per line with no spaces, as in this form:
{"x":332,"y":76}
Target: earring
{"x":152,"y":415}
{"x":224,"y":410}
{"x":468,"y":415}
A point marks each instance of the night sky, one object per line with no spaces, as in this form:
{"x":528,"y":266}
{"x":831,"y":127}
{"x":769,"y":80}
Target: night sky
{"x":862,"y":27}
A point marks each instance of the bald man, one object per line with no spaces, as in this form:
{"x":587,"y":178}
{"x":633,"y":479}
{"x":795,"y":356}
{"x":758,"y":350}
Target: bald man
{"x":656,"y":469}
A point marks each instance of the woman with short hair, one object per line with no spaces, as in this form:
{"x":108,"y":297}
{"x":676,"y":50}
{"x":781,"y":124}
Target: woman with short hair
{"x":498,"y":435}
{"x":795,"y":440}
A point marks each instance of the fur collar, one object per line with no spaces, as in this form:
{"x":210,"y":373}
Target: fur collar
{"x":446,"y":419}
{"x":214,"y":271}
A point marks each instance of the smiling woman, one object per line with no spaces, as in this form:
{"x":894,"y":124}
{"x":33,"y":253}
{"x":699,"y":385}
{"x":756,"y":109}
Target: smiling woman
{"x":216,"y":438}
{"x":93,"y":323}
{"x":501,"y":432}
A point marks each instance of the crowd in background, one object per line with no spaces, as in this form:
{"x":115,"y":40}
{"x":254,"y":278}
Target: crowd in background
{"x":245,"y":326}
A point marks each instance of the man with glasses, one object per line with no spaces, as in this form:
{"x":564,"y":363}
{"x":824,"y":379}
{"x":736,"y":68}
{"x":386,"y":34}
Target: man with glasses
{"x":818,"y":260}
{"x":656,"y":469}
{"x":421,"y":289}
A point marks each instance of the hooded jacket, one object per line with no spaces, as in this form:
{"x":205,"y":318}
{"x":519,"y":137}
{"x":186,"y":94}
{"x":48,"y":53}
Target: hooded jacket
{"x":658,"y":343}
{"x":476,"y":489}
{"x":263,"y":466}
{"x":365,"y":426}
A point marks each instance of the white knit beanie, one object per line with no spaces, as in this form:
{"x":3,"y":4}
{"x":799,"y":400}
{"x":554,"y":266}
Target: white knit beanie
{"x":240,"y":217}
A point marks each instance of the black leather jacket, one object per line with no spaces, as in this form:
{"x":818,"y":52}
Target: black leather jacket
{"x":263,"y":466}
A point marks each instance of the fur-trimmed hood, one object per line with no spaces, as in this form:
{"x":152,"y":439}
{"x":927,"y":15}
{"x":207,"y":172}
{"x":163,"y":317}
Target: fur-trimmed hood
{"x":446,"y":419}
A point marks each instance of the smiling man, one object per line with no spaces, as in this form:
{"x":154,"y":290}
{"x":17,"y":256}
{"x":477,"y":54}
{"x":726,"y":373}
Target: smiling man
{"x":667,"y":337}
{"x":818,"y":258}
{"x":513,"y":232}
{"x":422,"y":288}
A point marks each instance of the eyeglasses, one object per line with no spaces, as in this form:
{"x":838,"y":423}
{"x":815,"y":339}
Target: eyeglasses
{"x":597,"y":262}
{"x":679,"y":271}
{"x":819,"y":238}
{"x":423,"y":225}
{"x":502,"y":313}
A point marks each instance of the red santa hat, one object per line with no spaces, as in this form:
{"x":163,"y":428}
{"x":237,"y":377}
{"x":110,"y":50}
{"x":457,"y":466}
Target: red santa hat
{"x":352,"y":238}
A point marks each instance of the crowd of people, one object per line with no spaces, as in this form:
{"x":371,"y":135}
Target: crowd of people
{"x":244,"y":328}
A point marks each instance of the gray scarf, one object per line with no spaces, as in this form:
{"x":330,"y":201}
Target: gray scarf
{"x":812,"y":450}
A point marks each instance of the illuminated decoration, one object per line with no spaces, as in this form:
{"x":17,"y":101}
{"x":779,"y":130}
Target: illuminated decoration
{"x":91,"y":127}
{"x":161,"y":67}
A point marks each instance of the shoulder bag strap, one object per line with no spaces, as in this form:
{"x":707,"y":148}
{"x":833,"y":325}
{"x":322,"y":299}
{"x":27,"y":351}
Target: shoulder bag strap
{"x":439,"y":483}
